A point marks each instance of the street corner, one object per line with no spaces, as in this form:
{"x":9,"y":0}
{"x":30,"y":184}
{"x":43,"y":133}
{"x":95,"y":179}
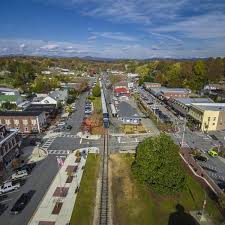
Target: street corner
{"x":87,"y":150}
{"x":88,"y":136}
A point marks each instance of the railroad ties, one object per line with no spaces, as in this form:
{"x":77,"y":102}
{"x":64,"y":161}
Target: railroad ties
{"x":103,"y":216}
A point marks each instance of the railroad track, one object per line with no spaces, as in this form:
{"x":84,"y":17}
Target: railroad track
{"x":104,"y":207}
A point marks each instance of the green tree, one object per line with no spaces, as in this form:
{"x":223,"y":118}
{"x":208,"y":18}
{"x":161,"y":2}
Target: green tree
{"x":96,"y":91}
{"x":199,"y":78}
{"x":157,"y":164}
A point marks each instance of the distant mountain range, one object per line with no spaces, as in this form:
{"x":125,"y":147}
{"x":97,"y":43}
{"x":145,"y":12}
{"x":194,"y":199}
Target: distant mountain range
{"x":101,"y":59}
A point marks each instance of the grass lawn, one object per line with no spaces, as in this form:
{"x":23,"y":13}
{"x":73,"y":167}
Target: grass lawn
{"x":83,"y":211}
{"x":97,"y":104}
{"x":134,"y":204}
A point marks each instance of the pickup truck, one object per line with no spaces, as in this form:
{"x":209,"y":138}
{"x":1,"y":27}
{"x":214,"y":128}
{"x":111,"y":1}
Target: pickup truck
{"x":9,"y":186}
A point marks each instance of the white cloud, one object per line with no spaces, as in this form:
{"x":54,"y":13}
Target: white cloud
{"x":201,"y":27}
{"x":112,"y":35}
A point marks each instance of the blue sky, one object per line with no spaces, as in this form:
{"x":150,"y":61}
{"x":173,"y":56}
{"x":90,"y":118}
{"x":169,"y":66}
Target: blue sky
{"x":113,"y":28}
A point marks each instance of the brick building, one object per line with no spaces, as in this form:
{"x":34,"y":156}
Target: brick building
{"x":9,"y":145}
{"x":149,"y":85}
{"x":25,"y":122}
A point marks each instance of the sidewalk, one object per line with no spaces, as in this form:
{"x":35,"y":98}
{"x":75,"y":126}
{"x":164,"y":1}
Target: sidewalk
{"x":57,"y":205}
{"x":88,"y":136}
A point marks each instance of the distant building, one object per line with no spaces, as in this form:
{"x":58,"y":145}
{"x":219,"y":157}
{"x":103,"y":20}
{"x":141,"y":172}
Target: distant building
{"x":46,"y":72}
{"x":127,"y":114}
{"x":149,"y":85}
{"x":121,"y":91}
{"x":8,"y":91}
{"x":9,"y":145}
{"x":208,"y":116}
{"x":132,"y":75}
{"x":175,"y":93}
{"x":50,"y":110}
{"x":166,"y":93}
{"x":182,"y":105}
{"x":54,"y":97}
{"x":25,"y":122}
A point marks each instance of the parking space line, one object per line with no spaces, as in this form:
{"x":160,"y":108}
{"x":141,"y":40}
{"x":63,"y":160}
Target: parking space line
{"x":11,"y":192}
{"x":7,"y":200}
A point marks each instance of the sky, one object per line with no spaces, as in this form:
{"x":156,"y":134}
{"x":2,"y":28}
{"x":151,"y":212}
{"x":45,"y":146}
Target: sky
{"x":135,"y":29}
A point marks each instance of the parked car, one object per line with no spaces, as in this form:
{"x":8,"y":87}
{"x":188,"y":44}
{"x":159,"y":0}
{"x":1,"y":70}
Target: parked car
{"x":69,"y":127}
{"x":28,"y":167}
{"x":22,"y":202}
{"x":9,"y":186}
{"x":213,"y":153}
{"x":221,"y":185}
{"x":36,"y":141}
{"x":19,"y":174}
{"x":214,"y":137}
{"x":200,"y":158}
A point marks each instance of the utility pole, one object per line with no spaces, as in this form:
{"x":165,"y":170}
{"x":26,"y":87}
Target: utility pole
{"x":203,"y":209}
{"x":182,"y":141}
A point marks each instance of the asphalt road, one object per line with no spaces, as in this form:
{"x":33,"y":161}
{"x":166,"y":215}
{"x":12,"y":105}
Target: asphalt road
{"x":39,"y":181}
{"x":42,"y":175}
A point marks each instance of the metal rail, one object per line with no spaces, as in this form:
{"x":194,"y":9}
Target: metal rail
{"x":103,"y":215}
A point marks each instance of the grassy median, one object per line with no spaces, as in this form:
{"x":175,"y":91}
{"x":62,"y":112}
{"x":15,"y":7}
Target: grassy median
{"x":135,"y":204}
{"x":83,"y":211}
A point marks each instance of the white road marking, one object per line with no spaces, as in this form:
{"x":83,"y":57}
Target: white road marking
{"x":81,"y":140}
{"x":7,"y":200}
{"x":11,"y":192}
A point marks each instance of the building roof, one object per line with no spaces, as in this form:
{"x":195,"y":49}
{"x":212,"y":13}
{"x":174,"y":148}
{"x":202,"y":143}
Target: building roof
{"x":189,"y":101}
{"x":59,"y":94}
{"x":121,"y":90}
{"x":9,"y":98}
{"x":178,"y":90}
{"x":209,"y":106}
{"x":126,"y":110}
{"x":5,"y":89}
{"x":20,"y":113}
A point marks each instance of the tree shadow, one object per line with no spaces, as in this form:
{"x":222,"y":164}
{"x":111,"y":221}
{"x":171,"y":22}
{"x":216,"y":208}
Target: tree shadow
{"x":180,"y":217}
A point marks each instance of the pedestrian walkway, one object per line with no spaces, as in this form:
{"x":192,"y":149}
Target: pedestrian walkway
{"x":59,"y":152}
{"x":68,"y":135}
{"x":57,"y":205}
{"x":48,"y":143}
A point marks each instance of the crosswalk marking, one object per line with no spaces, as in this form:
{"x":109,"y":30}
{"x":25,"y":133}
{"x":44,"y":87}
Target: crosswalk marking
{"x":59,"y":152}
{"x":68,"y":135}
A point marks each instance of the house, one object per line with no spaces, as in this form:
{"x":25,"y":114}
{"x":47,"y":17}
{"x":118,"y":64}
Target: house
{"x":182,"y":105}
{"x":55,"y":97}
{"x":13,"y":99}
{"x":9,"y":145}
{"x":8,"y":91}
{"x":208,"y":116}
{"x":127,"y":114}
{"x":149,"y":85}
{"x":25,"y":122}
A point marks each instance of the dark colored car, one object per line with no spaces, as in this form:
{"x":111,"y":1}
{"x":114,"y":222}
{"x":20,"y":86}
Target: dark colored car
{"x":221,"y":185}
{"x":35,"y":141}
{"x":22,"y":202}
{"x":214,"y":137}
{"x":28,"y":167}
{"x":200,"y":158}
{"x":69,"y":127}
